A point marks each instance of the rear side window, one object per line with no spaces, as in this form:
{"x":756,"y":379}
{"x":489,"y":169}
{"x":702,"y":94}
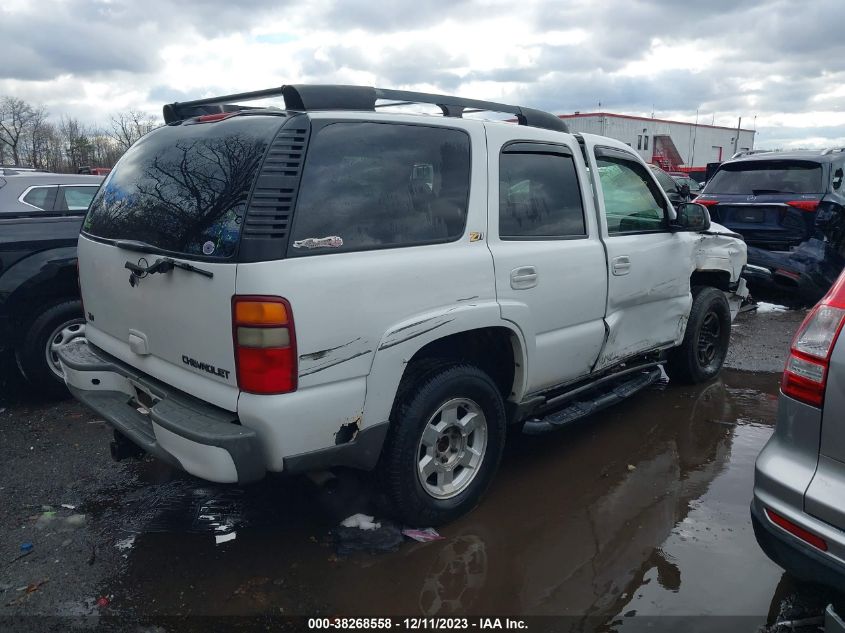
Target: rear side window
{"x":75,"y":198}
{"x":184,"y":188}
{"x":539,"y":197}
{"x":375,"y":185}
{"x":756,"y":178}
{"x":41,"y":197}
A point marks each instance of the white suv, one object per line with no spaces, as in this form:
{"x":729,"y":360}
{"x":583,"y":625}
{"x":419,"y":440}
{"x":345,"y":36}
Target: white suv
{"x":328,"y":284}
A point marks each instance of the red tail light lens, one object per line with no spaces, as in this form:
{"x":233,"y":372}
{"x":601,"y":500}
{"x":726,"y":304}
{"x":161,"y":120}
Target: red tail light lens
{"x":706,"y":201}
{"x":805,"y":374}
{"x":804,"y":205}
{"x":265,"y":344}
{"x":796,"y":530}
{"x":211,"y":118}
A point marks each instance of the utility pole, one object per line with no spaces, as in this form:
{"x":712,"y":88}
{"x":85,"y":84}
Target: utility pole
{"x":694,"y":135}
{"x":736,"y":140}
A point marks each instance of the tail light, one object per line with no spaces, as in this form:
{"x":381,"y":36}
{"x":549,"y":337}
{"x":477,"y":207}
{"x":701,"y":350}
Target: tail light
{"x":804,"y":205}
{"x":706,"y":202}
{"x":212,"y":118}
{"x":265,"y":344}
{"x":805,"y":375}
{"x":796,"y":530}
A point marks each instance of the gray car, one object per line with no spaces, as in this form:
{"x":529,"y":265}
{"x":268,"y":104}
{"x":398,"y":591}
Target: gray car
{"x":23,"y":192}
{"x":798,"y":509}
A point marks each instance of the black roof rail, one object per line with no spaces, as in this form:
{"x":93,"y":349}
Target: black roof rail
{"x":336,"y":97}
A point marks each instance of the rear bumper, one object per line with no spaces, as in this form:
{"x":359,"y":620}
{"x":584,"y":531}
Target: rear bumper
{"x":800,"y":560}
{"x":201,"y":439}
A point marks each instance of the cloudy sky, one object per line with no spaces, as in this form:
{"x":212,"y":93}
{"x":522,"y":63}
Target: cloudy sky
{"x":779,"y":60}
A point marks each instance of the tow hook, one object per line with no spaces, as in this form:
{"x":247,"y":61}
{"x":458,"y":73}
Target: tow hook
{"x":122,"y":448}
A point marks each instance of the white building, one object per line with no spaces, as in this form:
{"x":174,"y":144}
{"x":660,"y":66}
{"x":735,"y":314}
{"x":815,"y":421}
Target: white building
{"x":670,"y":144}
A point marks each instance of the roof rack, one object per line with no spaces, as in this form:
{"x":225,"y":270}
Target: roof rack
{"x":328,"y":97}
{"x":750,"y":152}
{"x":831,"y":150}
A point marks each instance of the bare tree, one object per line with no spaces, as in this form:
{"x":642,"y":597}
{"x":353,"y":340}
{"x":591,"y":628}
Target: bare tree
{"x":16,"y":116}
{"x":127,"y":127}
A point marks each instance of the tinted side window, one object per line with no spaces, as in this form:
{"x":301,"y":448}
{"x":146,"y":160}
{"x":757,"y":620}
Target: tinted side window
{"x":41,"y":197}
{"x":375,"y":185}
{"x":539,"y":196}
{"x":76,"y":198}
{"x":631,"y":202}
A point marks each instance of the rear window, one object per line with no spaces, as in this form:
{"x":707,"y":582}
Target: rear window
{"x":184,"y":188}
{"x":374,"y":185}
{"x":756,"y":178}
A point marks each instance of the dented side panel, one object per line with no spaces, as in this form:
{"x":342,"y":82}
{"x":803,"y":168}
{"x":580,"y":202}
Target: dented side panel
{"x":351,"y":308}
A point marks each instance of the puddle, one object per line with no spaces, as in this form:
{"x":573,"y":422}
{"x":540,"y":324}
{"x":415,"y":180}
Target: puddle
{"x":640,"y":511}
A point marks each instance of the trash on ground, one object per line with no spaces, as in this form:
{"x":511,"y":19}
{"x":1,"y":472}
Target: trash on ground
{"x":75,"y":520}
{"x":102,"y":601}
{"x":385,"y":538}
{"x":69,"y":506}
{"x":631,"y":468}
{"x":424,"y":535}
{"x":223,"y":538}
{"x":126,"y":543}
{"x":361,"y":521}
{"x":26,"y":548}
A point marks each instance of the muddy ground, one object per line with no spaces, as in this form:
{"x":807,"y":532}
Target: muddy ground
{"x":627,"y":521}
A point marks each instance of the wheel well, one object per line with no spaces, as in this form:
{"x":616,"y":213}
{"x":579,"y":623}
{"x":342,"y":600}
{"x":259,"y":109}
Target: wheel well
{"x":31,"y":298}
{"x":490,"y":349}
{"x":720,"y":279}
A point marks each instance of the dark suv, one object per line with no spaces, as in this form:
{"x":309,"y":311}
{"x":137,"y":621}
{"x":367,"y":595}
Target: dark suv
{"x":789,"y":207}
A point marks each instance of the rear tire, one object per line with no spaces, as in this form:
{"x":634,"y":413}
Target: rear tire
{"x":702,"y":353}
{"x":57,"y":324}
{"x":445,"y":443}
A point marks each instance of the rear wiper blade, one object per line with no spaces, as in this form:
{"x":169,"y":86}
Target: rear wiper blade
{"x":161,"y":265}
{"x":137,"y":246}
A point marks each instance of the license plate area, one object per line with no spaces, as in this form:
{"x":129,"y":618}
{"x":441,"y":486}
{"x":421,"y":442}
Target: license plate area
{"x":750,"y":215}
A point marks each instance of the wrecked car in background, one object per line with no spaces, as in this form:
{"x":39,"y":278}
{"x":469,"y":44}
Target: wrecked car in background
{"x":789,"y":207}
{"x":327,"y":285}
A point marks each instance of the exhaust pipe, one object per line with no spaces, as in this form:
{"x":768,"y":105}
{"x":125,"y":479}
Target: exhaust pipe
{"x":122,"y":448}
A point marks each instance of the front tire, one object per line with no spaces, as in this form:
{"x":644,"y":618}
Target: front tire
{"x":445,"y":443}
{"x":37,"y":356}
{"x":702,"y":353}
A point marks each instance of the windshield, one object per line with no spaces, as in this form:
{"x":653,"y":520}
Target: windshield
{"x":767,"y":177}
{"x":665,"y":180}
{"x":184,"y":188}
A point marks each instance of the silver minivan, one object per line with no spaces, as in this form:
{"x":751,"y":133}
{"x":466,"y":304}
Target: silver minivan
{"x":798,"y":509}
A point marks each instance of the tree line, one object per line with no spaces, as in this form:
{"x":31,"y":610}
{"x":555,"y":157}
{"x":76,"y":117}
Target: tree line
{"x":30,"y":138}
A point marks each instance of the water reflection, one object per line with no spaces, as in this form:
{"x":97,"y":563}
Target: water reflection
{"x":590,"y":522}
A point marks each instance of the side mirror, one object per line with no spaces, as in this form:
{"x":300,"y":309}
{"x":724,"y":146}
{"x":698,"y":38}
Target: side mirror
{"x":692,"y":217}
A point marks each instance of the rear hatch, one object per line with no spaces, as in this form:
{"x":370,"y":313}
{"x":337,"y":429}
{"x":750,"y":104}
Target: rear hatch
{"x":179,"y":195}
{"x":771,"y":203}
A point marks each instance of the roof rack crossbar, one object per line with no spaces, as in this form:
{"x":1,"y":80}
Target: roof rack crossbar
{"x":315,"y":97}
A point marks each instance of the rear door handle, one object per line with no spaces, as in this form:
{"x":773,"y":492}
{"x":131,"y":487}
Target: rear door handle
{"x":620,"y":265}
{"x":523,"y":277}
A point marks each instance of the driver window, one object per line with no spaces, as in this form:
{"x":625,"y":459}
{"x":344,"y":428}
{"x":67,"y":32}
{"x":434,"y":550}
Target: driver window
{"x":630,"y":203}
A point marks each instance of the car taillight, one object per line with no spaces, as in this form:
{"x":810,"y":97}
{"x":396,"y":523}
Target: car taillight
{"x":265,"y":344}
{"x":706,"y":202}
{"x":804,"y":205}
{"x":211,"y":118}
{"x":796,"y":530}
{"x":805,"y":374}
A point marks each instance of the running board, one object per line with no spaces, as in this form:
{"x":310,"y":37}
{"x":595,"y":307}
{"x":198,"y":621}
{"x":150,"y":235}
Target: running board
{"x":582,"y":408}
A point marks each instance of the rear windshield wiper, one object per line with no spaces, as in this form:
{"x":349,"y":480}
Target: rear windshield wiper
{"x":161,"y":265}
{"x":135,"y":245}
